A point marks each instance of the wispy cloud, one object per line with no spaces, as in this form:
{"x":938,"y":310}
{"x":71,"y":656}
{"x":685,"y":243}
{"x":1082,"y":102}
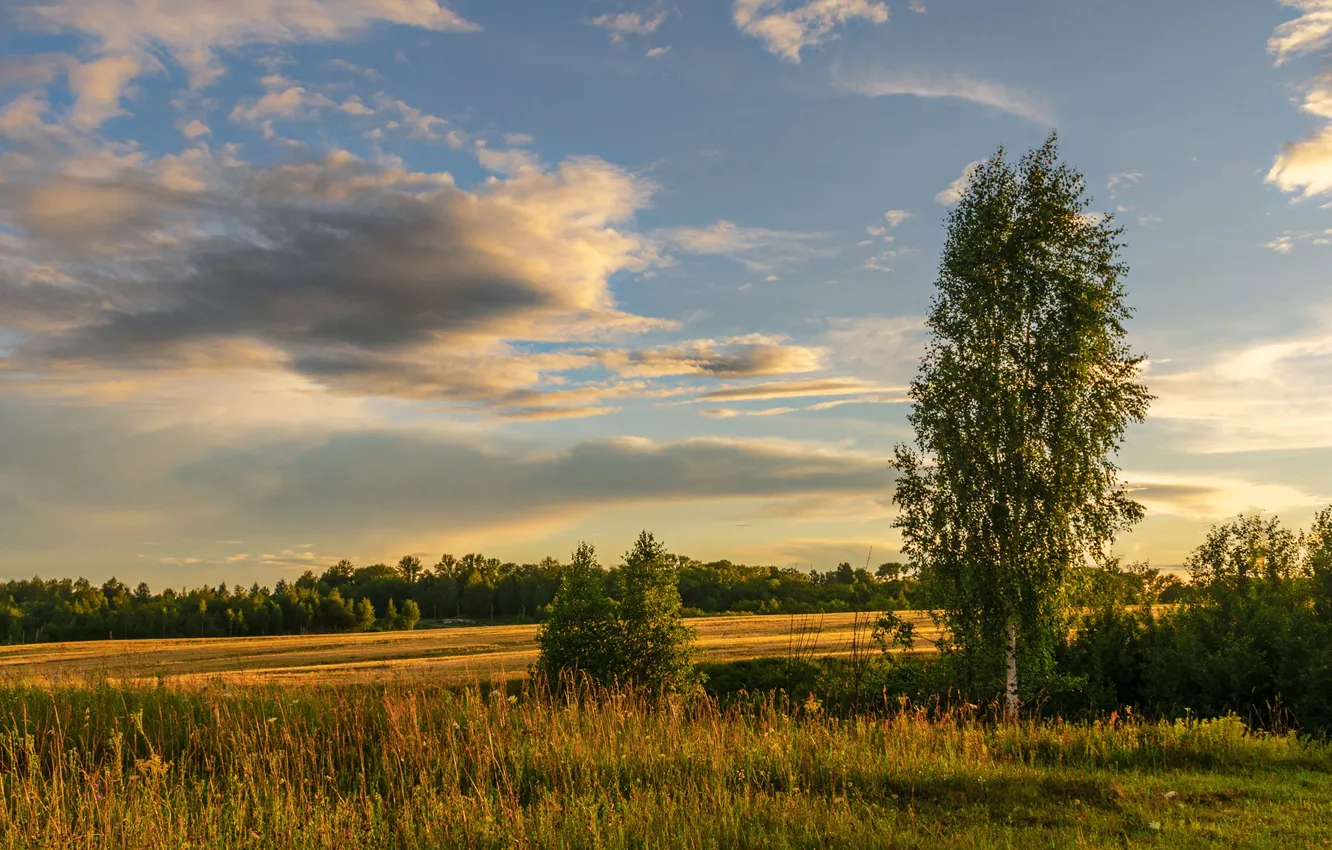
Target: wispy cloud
{"x":881,"y":83}
{"x":1259,"y":396}
{"x":803,"y":389}
{"x":759,"y":249}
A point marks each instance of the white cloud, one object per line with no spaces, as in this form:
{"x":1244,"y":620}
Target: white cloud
{"x":958,"y":187}
{"x":419,"y":124}
{"x":983,"y":92}
{"x":1122,"y":180}
{"x":786,"y":30}
{"x":629,"y":23}
{"x":896,"y":217}
{"x":1286,"y":242}
{"x":1309,"y":33}
{"x":291,"y":103}
{"x":195,"y":129}
{"x":1304,"y":167}
{"x":128,"y":36}
{"x":98,"y":86}
{"x":759,"y":249}
{"x":880,"y":261}
{"x":657,"y":52}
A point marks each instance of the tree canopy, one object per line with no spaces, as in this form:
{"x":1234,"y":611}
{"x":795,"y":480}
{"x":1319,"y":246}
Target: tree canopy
{"x":1024,"y":394}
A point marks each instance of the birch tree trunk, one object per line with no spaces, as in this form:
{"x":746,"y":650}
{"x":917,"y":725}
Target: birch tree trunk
{"x":1010,"y":690}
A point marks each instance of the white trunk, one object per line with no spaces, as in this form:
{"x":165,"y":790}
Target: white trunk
{"x":1010,"y":691}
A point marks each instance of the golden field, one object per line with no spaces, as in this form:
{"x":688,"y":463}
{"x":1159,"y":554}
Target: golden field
{"x":453,"y":654}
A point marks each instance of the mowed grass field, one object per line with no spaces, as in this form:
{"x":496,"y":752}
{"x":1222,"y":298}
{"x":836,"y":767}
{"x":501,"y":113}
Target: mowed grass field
{"x":454,"y":654}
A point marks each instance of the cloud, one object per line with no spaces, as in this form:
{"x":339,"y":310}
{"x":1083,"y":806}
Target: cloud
{"x":290,"y":103}
{"x":802,"y":389}
{"x":786,"y":30}
{"x":1260,"y":396}
{"x":758,"y":249}
{"x":1309,"y":33}
{"x":878,"y":345}
{"x":195,"y":129}
{"x":629,"y":23}
{"x":746,"y":356}
{"x":349,"y":490}
{"x":1304,"y":167}
{"x":958,"y":187}
{"x":880,"y":261}
{"x":1286,"y":242}
{"x":97,"y":88}
{"x":1214,"y":497}
{"x":1122,"y":180}
{"x":896,"y":217}
{"x":128,"y":36}
{"x":656,"y":52}
{"x":369,"y":279}
{"x":982,"y":92}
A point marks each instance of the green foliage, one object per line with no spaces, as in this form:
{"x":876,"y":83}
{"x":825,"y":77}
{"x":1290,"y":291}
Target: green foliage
{"x":641,"y":642}
{"x":411,"y":614}
{"x":1252,"y":639}
{"x":365,"y":614}
{"x":655,"y":645}
{"x":1025,"y":391}
{"x":391,"y":618}
{"x":581,"y":635}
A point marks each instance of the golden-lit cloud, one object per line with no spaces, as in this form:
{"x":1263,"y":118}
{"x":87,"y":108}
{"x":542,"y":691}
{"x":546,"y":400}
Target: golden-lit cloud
{"x":1304,"y":167}
{"x":787,"y":28}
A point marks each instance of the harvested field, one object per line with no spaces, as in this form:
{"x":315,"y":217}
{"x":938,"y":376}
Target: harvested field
{"x":453,"y":654}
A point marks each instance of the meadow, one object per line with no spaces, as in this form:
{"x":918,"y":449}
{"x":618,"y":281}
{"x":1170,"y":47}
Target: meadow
{"x":454,"y":654}
{"x":420,"y":764}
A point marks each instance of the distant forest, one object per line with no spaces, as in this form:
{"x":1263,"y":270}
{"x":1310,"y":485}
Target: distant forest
{"x":346,"y":598}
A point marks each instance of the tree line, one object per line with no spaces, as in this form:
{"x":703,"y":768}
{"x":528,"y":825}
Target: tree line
{"x":346,"y":598}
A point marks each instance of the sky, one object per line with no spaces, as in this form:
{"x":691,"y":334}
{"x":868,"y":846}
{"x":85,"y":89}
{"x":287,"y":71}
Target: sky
{"x":289,"y":281}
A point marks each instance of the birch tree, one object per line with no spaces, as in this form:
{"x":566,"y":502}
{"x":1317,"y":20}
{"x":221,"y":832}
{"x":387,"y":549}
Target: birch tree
{"x":1024,"y":395}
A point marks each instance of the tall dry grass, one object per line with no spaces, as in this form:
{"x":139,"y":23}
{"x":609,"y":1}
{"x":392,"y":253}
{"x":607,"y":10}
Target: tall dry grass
{"x":418,"y":764}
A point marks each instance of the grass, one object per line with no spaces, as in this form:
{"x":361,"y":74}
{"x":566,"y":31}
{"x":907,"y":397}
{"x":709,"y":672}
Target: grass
{"x":421,"y":764}
{"x":456,"y":655}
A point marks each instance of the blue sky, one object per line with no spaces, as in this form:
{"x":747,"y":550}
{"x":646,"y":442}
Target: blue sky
{"x":285,"y":281}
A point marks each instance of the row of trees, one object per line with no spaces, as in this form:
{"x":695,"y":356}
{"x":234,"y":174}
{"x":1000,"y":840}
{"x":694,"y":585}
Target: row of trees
{"x":345,"y":597}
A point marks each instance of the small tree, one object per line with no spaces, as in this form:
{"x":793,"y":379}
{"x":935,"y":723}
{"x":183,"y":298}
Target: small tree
{"x":411,"y":614}
{"x":655,"y":643}
{"x":581,"y":633}
{"x":364,"y":611}
{"x":390,"y":615}
{"x":1025,"y":390}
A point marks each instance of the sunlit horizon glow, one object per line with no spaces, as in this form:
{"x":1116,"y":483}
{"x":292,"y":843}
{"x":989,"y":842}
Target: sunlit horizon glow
{"x":289,"y":281}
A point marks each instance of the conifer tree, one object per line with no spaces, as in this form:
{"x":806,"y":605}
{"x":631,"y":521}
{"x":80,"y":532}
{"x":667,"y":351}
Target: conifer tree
{"x":580,"y":636}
